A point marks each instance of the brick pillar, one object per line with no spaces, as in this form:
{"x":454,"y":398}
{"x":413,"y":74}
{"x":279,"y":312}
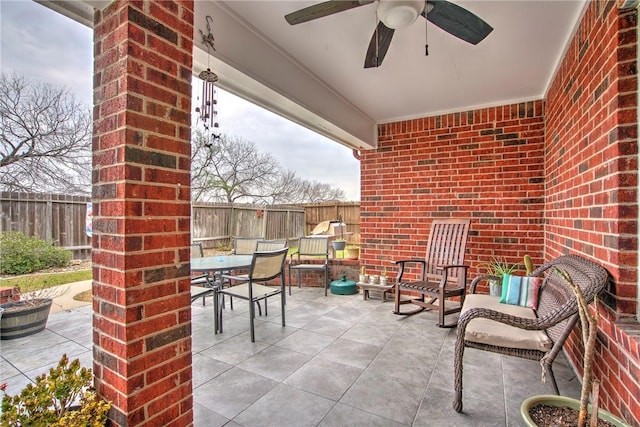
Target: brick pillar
{"x":141,"y":211}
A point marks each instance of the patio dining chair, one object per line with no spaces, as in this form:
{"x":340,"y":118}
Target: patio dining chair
{"x":310,"y":247}
{"x":265,"y":266}
{"x":443,"y":274}
{"x":202,"y":284}
{"x":270,"y":245}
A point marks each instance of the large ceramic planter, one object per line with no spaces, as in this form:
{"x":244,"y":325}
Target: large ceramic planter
{"x":22,"y":318}
{"x":559,"y":401}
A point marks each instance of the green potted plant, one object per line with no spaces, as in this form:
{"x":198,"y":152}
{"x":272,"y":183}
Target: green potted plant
{"x":363,"y":277}
{"x":497,"y":267}
{"x":539,"y":407}
{"x":63,"y":397}
{"x":383,"y":276}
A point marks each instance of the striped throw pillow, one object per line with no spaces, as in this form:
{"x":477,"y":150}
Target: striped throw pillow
{"x":520,"y":290}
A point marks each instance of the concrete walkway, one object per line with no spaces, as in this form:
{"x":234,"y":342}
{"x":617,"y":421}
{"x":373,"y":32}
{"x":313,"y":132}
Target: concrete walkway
{"x":65,"y":301}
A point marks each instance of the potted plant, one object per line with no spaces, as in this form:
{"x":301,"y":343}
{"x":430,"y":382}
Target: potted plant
{"x":29,"y":315}
{"x":383,"y":277}
{"x":341,"y":242}
{"x":497,"y":267}
{"x":538,"y":407}
{"x":352,"y":251}
{"x":363,"y":277}
{"x":64,"y":397}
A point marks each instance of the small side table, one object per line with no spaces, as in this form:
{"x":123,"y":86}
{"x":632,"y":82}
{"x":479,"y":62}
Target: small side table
{"x":366,"y":287}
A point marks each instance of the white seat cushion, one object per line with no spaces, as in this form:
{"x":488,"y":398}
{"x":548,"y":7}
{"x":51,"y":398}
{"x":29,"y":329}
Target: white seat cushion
{"x":486,"y":331}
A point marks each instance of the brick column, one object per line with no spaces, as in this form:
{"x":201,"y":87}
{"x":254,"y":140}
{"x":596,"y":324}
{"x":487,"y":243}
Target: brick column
{"x":141,"y":207}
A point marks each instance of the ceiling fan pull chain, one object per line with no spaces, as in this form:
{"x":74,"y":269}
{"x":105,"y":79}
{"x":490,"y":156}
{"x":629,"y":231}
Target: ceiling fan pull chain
{"x":426,"y":38}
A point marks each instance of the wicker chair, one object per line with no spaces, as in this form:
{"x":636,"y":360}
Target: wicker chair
{"x":443,"y":273}
{"x":552,"y":323}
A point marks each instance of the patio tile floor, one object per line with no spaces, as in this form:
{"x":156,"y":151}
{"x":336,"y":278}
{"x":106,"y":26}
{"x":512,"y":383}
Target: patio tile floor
{"x":339,"y":361}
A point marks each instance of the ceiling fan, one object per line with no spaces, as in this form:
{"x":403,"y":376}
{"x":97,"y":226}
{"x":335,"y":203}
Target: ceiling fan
{"x":395,"y":14}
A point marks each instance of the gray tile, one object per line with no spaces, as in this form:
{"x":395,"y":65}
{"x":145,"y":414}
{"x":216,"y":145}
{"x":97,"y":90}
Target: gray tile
{"x":306,"y":342}
{"x":328,"y":326}
{"x":205,"y":368}
{"x":234,"y":350}
{"x":276,"y":363}
{"x":351,"y":353}
{"x":371,"y":333}
{"x":343,"y":415}
{"x":7,"y":370}
{"x":203,"y":416}
{"x":232,"y":391}
{"x":286,"y":406}
{"x":324,"y":378}
{"x":385,"y":396}
{"x":436,"y":410}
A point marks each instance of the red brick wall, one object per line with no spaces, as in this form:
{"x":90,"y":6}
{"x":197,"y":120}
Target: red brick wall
{"x":486,"y":165}
{"x":591,"y":176}
{"x":141,"y":178}
{"x":493,"y":165}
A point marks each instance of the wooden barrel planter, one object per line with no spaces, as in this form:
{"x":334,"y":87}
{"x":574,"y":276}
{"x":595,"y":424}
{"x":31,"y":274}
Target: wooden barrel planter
{"x":22,"y":318}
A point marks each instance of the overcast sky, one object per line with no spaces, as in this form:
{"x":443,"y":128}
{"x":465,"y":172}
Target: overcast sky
{"x":42,"y":45}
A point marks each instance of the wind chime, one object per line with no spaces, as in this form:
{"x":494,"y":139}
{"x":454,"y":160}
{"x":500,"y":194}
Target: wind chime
{"x":208,"y":108}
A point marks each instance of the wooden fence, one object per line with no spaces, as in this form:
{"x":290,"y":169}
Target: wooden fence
{"x":62,"y":219}
{"x":52,"y":217}
{"x":215,"y":224}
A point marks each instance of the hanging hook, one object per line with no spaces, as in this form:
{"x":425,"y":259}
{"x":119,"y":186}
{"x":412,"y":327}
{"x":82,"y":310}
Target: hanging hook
{"x":208,"y":39}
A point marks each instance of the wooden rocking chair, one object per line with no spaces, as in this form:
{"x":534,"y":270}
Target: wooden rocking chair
{"x":443,"y":273}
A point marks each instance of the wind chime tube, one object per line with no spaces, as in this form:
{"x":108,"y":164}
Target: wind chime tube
{"x":211,"y":110}
{"x":203,"y":110}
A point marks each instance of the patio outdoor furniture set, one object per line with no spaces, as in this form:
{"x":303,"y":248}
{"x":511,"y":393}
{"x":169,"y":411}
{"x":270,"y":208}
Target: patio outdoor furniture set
{"x":532,"y":328}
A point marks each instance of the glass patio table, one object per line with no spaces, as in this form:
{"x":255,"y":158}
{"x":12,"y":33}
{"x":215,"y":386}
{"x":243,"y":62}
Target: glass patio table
{"x":216,"y":264}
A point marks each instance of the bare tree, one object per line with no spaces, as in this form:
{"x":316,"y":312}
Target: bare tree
{"x":313,"y":191}
{"x":46,"y":138}
{"x":233,"y":170}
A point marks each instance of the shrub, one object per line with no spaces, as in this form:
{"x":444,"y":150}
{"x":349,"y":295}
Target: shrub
{"x":63,"y":397}
{"x":20,"y":254}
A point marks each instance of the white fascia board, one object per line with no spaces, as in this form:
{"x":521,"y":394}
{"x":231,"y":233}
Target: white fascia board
{"x":252,"y":68}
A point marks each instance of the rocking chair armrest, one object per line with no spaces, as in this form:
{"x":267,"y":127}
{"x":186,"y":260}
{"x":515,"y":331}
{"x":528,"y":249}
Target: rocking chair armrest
{"x":402,"y":262}
{"x":445,"y":273}
{"x":478,"y":279}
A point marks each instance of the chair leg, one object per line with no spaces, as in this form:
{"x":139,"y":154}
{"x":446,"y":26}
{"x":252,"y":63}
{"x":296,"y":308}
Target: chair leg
{"x":289,"y":279}
{"x":550,"y":375}
{"x":299,"y":281}
{"x":457,"y":369}
{"x":252,"y":313}
{"x":326,"y":280}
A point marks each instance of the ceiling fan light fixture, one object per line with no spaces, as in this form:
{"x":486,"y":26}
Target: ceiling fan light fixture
{"x":399,"y":13}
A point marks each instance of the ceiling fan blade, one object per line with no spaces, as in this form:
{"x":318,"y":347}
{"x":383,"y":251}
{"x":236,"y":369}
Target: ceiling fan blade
{"x":457,"y":21}
{"x":323,"y":9}
{"x":385,"y":34}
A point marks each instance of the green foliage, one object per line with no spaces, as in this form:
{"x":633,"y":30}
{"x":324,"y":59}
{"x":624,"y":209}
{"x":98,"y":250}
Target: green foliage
{"x":50,"y":400}
{"x":499,"y":267}
{"x":20,"y":254}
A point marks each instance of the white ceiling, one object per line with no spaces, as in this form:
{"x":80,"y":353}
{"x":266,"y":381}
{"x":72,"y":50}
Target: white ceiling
{"x":313,"y":72}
